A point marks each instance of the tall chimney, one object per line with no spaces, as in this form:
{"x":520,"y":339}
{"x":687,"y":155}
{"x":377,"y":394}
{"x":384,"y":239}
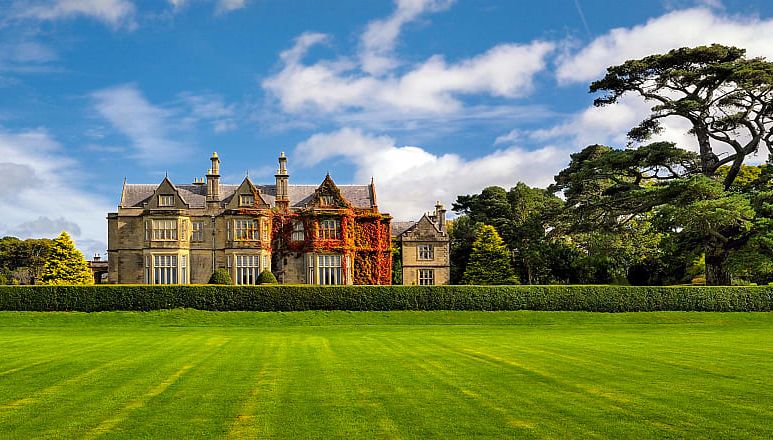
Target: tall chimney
{"x":213,"y":180}
{"x":440,"y":216}
{"x":282,"y":178}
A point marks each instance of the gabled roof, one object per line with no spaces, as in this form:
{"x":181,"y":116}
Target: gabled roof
{"x":401,"y":228}
{"x":134,"y":195}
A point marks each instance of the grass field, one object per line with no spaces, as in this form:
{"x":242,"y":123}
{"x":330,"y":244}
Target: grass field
{"x":191,"y":374}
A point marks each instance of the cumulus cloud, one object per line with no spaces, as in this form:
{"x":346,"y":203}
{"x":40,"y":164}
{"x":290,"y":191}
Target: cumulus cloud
{"x":434,"y":86}
{"x":116,"y":13}
{"x":43,"y":191}
{"x":409,"y":179}
{"x":690,"y":27}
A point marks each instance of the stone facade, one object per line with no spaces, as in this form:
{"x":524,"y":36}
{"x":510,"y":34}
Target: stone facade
{"x":425,"y":249}
{"x":304,"y":234}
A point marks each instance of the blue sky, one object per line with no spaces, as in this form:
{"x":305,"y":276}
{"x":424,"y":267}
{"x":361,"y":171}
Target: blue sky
{"x":433,"y":98}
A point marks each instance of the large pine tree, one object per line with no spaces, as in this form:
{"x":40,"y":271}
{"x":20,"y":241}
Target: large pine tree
{"x":65,"y":264}
{"x":490,"y":260}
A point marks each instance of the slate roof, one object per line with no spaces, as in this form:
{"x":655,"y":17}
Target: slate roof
{"x":135,"y":195}
{"x":399,"y":227}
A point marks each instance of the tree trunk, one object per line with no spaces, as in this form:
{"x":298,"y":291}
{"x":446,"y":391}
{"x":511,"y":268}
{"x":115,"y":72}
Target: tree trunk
{"x":716,"y":272}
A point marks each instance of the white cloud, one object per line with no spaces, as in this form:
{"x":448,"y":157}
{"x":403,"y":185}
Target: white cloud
{"x":146,"y":125}
{"x":116,"y":13}
{"x":378,"y":40}
{"x":434,"y":86}
{"x":691,"y":27}
{"x":221,"y":6}
{"x":44,"y":192}
{"x":210,"y":108}
{"x":229,"y":5}
{"x":410,"y":179}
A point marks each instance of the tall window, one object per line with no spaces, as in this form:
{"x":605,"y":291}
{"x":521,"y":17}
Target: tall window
{"x":426,"y":252}
{"x":246,"y":230}
{"x":165,"y":269}
{"x":330,"y":228}
{"x":164,"y":200}
{"x":198,"y":231}
{"x":326,"y":200}
{"x":183,"y":269}
{"x":426,"y":277}
{"x":298,"y":231}
{"x":246,"y":200}
{"x":329,"y":268}
{"x":247,"y":269}
{"x":165,"y":230}
{"x":266,"y":225}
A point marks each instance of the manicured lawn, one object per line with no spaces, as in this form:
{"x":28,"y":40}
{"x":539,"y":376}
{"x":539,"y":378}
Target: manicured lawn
{"x":191,"y":374}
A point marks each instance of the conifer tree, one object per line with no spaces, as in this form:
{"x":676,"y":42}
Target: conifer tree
{"x":490,"y":260}
{"x":65,"y":264}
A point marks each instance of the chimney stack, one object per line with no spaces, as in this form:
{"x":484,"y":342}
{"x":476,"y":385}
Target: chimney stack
{"x":440,"y":216}
{"x":282,"y":178}
{"x":213,"y":180}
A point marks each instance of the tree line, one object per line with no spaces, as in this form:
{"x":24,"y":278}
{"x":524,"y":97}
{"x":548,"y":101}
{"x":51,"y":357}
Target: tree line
{"x":650,"y":212}
{"x":42,"y":261}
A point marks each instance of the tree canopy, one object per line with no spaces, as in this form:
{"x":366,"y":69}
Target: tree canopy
{"x":65,"y":264}
{"x":490,"y":260}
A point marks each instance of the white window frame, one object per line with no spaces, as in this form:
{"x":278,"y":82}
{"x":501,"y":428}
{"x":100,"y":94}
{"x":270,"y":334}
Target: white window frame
{"x":426,"y":252}
{"x":164,"y":229}
{"x":246,"y":230}
{"x":299,"y":233}
{"x":197,"y":229}
{"x":246,"y":199}
{"x":247,"y":269}
{"x":330,"y":269}
{"x":330,"y":229}
{"x":426,"y":277}
{"x":165,"y":200}
{"x":165,"y":269}
{"x":310,"y":270}
{"x":326,"y":200}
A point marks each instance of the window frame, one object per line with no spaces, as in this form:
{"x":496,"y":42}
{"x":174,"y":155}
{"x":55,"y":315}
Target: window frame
{"x":299,"y":231}
{"x":245,"y":197}
{"x":246,"y":268}
{"x":425,"y":277}
{"x":169,"y":231}
{"x":425,"y":252}
{"x":166,"y":269}
{"x":330,"y":269}
{"x":197,"y":231}
{"x":248,"y":233}
{"x":330,"y":233}
{"x":165,"y":200}
{"x":326,"y":200}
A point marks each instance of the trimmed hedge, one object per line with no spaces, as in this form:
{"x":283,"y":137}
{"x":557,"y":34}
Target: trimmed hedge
{"x":294,"y":298}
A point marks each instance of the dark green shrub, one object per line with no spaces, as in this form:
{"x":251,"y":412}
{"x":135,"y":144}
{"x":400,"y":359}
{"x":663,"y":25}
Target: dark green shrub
{"x":220,"y":276}
{"x":266,"y":277}
{"x":292,"y":298}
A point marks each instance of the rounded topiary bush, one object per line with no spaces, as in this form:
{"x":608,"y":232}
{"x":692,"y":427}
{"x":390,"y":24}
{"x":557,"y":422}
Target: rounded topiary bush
{"x":220,"y":276}
{"x":266,"y":277}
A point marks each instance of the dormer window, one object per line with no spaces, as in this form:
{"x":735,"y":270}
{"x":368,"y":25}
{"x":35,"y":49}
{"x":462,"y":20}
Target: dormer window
{"x":165,"y":200}
{"x":326,"y":200}
{"x":246,"y":200}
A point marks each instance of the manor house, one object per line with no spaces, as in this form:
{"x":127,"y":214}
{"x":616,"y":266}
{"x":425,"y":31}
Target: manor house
{"x":305,"y":234}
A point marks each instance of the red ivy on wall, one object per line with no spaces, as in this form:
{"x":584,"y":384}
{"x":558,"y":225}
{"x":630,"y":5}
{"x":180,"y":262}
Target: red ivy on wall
{"x":365,"y":238}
